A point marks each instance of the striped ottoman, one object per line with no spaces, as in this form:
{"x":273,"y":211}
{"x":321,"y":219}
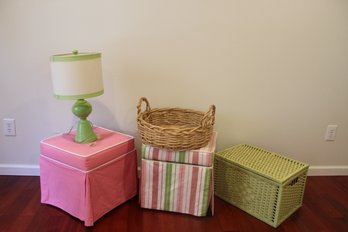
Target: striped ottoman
{"x":178,"y":181}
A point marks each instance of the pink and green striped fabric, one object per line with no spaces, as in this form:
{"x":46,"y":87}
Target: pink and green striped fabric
{"x":202,"y":156}
{"x":176,"y":187}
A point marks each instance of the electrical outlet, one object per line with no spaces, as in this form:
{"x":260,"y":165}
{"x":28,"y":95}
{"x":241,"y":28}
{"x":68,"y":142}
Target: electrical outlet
{"x":330,"y":134}
{"x":9,"y":127}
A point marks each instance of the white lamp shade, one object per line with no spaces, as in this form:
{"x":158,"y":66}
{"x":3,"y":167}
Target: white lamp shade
{"x":77,"y":75}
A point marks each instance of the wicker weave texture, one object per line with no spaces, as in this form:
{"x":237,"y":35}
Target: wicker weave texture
{"x":175,"y":128}
{"x":269,"y":164}
{"x":239,"y":180}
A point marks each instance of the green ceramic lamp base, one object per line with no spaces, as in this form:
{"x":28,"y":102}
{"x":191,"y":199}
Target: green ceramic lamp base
{"x":84,"y":132}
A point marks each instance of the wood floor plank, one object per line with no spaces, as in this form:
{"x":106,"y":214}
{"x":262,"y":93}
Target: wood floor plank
{"x":325,"y":208}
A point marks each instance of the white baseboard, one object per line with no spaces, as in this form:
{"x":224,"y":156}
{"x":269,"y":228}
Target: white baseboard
{"x":19,"y":170}
{"x":328,"y":170}
{"x":34,"y":170}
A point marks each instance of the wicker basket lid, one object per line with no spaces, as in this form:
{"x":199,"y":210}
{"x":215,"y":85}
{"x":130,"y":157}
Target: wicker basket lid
{"x":265,"y":163}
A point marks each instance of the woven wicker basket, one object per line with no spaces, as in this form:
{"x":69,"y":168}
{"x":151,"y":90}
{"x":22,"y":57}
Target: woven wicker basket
{"x":175,"y":128}
{"x":266,"y":185}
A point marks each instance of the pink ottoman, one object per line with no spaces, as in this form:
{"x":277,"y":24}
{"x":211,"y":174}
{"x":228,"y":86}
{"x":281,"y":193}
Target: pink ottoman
{"x":88,"y":180}
{"x":178,"y":181}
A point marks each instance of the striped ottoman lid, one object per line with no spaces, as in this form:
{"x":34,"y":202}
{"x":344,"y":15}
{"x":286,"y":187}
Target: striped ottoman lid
{"x":202,"y":156}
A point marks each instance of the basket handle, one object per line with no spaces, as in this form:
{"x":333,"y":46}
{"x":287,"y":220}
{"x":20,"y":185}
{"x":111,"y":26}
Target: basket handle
{"x":209,"y":117}
{"x":141,"y":100}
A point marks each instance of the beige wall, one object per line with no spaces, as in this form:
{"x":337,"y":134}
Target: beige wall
{"x":276,"y":70}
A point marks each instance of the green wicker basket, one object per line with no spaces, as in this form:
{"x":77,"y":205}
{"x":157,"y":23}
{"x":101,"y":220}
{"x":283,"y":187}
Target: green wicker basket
{"x":264,"y":184}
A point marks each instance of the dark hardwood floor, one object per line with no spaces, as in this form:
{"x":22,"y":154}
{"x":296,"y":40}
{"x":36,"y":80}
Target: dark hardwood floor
{"x":325,"y":208}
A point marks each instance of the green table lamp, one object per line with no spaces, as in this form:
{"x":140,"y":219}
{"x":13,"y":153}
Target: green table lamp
{"x":77,"y":76}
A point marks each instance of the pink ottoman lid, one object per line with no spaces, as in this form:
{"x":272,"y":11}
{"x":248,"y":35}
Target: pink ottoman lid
{"x":110,"y":145}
